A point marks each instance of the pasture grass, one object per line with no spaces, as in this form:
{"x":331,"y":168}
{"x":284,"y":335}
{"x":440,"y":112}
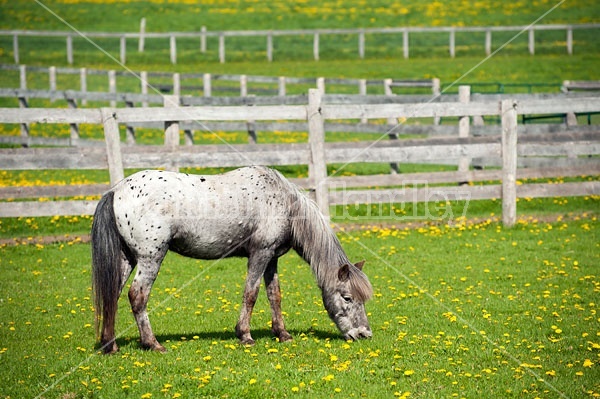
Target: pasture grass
{"x":470,"y":310}
{"x":293,"y":55}
{"x":461,"y":309}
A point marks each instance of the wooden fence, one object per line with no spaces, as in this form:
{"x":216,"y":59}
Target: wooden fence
{"x":205,"y":83}
{"x":480,"y":127}
{"x":334,"y":190}
{"x":316,"y":34}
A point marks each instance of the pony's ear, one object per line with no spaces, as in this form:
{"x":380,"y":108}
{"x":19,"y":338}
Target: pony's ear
{"x":359,"y":265}
{"x":344,"y":273}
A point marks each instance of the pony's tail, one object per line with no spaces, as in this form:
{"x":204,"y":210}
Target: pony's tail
{"x":106,"y":255}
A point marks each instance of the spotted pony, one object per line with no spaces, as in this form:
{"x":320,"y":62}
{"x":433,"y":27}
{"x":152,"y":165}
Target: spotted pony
{"x":251,"y":212}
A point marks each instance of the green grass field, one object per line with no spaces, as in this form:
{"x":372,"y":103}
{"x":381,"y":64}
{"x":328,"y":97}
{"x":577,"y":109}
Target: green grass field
{"x":462,"y":307}
{"x":468,"y":311}
{"x":293,"y":56}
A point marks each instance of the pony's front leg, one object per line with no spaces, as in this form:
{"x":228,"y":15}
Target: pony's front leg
{"x":274,"y":295}
{"x":139,"y":293}
{"x":257,"y":263}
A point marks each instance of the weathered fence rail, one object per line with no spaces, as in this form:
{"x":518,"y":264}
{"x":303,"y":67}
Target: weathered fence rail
{"x":269,"y":35}
{"x":364,"y":125}
{"x":316,"y":153}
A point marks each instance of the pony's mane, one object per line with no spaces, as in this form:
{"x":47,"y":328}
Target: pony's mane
{"x":315,"y":241}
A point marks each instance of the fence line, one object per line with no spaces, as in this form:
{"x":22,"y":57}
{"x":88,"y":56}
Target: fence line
{"x":364,"y":126}
{"x":317,"y":154}
{"x":205,"y":81}
{"x":269,"y":36}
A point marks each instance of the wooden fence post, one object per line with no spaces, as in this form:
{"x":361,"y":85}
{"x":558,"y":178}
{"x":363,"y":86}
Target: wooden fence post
{"x":142,"y":35}
{"x":281,"y":86}
{"x":171,"y":127}
{"x":243,"y":86}
{"x":362,"y":91}
{"x":464,"y":96}
{"x":113,"y":145}
{"x":361,"y":44}
{"x":144,"y":85}
{"x":531,"y":41}
{"x":83,"y":83}
{"x":207,"y":87}
{"x":23,"y":77}
{"x":391,"y":123}
{"x":176,"y":84}
{"x":316,"y":46}
{"x":250,"y":124}
{"x":129,"y":129}
{"x":52,"y":78}
{"x":452,"y":43}
{"x":23,"y":101}
{"x":73,"y":127}
{"x":112,"y":86}
{"x":70,"y":49}
{"x":570,"y":40}
{"x":123,"y":50}
{"x":16,"y":49}
{"x":173,"y":49}
{"x":222,"y":48}
{"x":508,"y":111}
{"x":488,"y":42}
{"x":436,"y":89}
{"x":317,"y":167}
{"x":203,"y":39}
{"x":172,"y":130}
{"x":321,"y":85}
{"x":270,"y":47}
{"x":405,"y":43}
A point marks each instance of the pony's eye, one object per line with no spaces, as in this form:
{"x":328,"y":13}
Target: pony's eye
{"x":347,"y":298}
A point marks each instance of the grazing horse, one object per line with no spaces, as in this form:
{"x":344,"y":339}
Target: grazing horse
{"x":251,"y":212}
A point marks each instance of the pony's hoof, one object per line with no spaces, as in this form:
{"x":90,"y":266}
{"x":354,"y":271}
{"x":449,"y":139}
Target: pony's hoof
{"x":110,"y":348}
{"x":284,"y":337}
{"x":110,"y":351}
{"x":247,"y":342}
{"x":159,"y":348}
{"x":155,"y":347}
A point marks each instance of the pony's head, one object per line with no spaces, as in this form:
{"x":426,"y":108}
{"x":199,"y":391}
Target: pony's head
{"x":345,"y":301}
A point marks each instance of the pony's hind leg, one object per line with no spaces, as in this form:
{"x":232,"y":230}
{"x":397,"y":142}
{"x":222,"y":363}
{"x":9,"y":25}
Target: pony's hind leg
{"x":139,"y":294}
{"x":274,"y":295}
{"x":108,"y":339}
